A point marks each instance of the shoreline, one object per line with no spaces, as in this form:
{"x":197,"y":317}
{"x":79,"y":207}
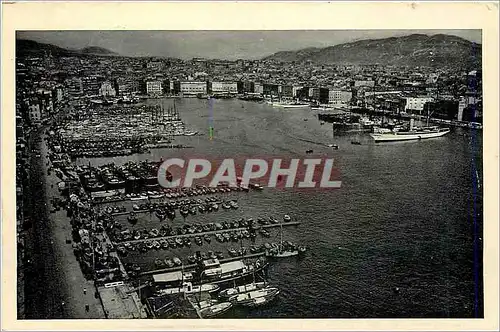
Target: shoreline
{"x":59,"y":278}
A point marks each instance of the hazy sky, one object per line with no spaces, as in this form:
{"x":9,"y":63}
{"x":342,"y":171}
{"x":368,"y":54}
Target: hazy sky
{"x":218,"y":44}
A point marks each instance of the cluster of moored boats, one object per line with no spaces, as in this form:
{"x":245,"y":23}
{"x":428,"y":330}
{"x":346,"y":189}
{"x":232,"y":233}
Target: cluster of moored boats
{"x":257,"y":297}
{"x":95,"y":132}
{"x":172,"y":193}
{"x":254,"y":294}
{"x":242,"y":228}
{"x":267,"y":248}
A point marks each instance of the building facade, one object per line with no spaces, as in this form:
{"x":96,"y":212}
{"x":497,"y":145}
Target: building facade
{"x":191,"y":87}
{"x":107,"y":89}
{"x":154,"y":87}
{"x":417,"y":103}
{"x":224,"y":87}
{"x":462,"y":104}
{"x":34,"y":113}
{"x":259,"y":88}
{"x":286,"y":91}
{"x":367,"y":83}
{"x":339,"y":96}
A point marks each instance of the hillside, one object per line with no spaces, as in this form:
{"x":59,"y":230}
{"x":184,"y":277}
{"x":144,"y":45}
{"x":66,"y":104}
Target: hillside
{"x":25,"y":47}
{"x":412,"y":50}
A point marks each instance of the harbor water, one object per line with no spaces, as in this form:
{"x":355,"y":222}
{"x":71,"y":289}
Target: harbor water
{"x":402,"y":237}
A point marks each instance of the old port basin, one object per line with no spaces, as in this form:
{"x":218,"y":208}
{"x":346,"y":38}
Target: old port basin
{"x":150,"y":251}
{"x":134,"y":249}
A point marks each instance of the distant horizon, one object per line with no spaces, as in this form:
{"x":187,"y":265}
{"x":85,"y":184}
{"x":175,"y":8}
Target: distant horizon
{"x":220,"y":45}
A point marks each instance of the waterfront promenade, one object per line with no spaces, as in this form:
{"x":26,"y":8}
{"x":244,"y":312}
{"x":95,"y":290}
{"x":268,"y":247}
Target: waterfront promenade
{"x":63,"y":290}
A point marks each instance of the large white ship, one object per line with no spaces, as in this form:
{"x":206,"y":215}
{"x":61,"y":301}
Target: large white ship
{"x":416,"y":134}
{"x":289,"y":105}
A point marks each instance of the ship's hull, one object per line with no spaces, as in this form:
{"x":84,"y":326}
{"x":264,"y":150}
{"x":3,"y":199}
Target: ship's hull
{"x":289,"y":105}
{"x":407,"y":136}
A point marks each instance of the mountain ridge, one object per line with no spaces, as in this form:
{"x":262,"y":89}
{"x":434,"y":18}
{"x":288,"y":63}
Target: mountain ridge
{"x":409,"y":50}
{"x":27,"y":46}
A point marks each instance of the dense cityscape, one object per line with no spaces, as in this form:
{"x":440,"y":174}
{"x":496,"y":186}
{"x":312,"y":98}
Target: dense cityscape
{"x":91,"y":130}
{"x":45,"y":81}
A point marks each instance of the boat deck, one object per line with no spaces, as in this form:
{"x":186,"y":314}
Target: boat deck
{"x":192,"y":266}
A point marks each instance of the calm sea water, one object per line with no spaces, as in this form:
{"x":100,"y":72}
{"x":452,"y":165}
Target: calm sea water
{"x":408,"y":215}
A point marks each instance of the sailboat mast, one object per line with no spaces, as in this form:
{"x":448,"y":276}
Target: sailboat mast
{"x":281,"y":235}
{"x":428,"y":115}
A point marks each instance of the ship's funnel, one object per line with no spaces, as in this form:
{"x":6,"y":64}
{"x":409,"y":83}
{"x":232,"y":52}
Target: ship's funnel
{"x":411,"y":124}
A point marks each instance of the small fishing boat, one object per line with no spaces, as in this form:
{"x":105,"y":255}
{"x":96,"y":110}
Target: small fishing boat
{"x":184,"y":212}
{"x":160,"y":214}
{"x":159,"y":263}
{"x":207,"y":238}
{"x":132,"y":218}
{"x":169,"y":263}
{"x":215,"y":309}
{"x":227,"y":293}
{"x":164,"y":244}
{"x":255,"y":298}
{"x":256,"y":186}
{"x":188,"y":288}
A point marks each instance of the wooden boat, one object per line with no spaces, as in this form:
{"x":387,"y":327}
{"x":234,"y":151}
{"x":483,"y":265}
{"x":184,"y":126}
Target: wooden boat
{"x":227,"y":293}
{"x":188,"y":288}
{"x":215,"y":309}
{"x":255,"y":298}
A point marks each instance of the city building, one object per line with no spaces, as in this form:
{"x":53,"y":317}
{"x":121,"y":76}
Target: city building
{"x":286,"y":91}
{"x":74,"y":87}
{"x":193,"y":87}
{"x":224,"y":87}
{"x":462,"y":104}
{"x":154,"y":88}
{"x":366,"y":83}
{"x":259,"y":88}
{"x":294,"y":91}
{"x":270,"y":89}
{"x":34,"y":113}
{"x":107,"y":90}
{"x":339,"y":96}
{"x":155,"y":65}
{"x":417,"y":103}
{"x":246,"y":87}
{"x":58,"y":94}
